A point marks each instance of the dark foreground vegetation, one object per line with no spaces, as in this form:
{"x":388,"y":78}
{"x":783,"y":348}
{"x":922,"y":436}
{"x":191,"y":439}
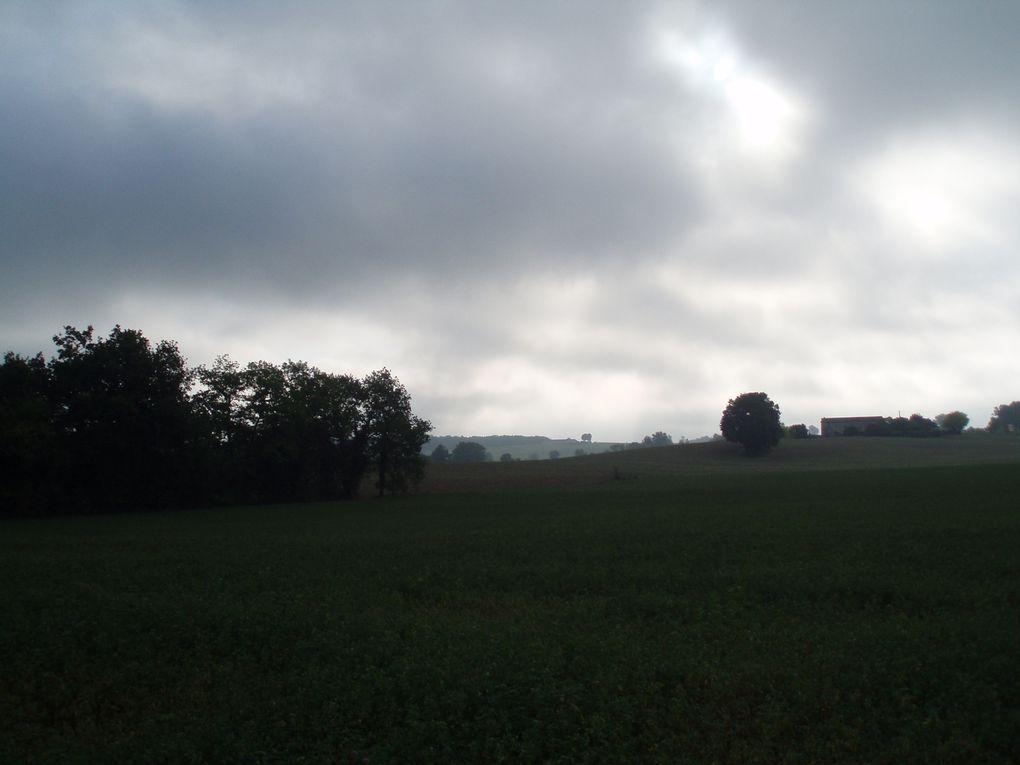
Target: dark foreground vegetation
{"x":854,"y":616}
{"x":117,"y":423}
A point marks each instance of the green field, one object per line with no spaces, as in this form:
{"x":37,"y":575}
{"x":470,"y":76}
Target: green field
{"x":826,"y":604}
{"x":724,"y":459}
{"x":537,"y":450}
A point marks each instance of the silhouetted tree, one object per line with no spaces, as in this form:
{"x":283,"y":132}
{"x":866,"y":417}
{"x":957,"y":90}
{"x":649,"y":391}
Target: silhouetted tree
{"x":316,"y":428}
{"x":1005,"y":418}
{"x":586,"y":437}
{"x":272,"y":452}
{"x":554,"y":455}
{"x":952,"y":422}
{"x":344,"y":446}
{"x":294,"y":432}
{"x":506,"y":457}
{"x":752,"y":420}
{"x":658,"y":438}
{"x":27,"y":437}
{"x":112,"y":423}
{"x":797,"y":431}
{"x":122,"y":418}
{"x":394,"y":435}
{"x":879,"y":429}
{"x":468,"y":451}
{"x":219,"y":400}
{"x":921,"y":427}
{"x":898,"y":426}
{"x":440,"y":454}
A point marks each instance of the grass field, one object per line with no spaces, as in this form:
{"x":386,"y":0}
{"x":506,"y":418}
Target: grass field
{"x":741,"y":612}
{"x":528,"y":451}
{"x":724,"y":459}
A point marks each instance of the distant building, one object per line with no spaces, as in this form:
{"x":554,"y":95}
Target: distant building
{"x":837,"y":426}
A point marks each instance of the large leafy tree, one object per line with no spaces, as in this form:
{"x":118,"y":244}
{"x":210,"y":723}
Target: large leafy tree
{"x":752,"y":420}
{"x":294,"y":431}
{"x":26,"y":434}
{"x":469,"y":451}
{"x":919,"y":426}
{"x":340,"y":407}
{"x":220,"y":399}
{"x":799,"y":430}
{"x":1005,"y":418}
{"x":393,"y":435}
{"x":114,"y":423}
{"x":658,"y":438}
{"x":122,"y":418}
{"x":952,"y":422}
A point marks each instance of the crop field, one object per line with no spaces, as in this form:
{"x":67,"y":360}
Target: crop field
{"x":796,"y":613}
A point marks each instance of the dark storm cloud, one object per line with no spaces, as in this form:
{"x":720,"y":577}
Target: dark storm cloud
{"x":133,"y":196}
{"x":409,"y":153}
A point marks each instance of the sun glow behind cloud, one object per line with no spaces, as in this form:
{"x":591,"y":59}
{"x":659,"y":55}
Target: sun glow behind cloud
{"x":760,"y":117}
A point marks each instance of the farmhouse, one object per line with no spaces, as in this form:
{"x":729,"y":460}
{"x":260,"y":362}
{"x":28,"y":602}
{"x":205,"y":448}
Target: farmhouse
{"x":837,"y":426}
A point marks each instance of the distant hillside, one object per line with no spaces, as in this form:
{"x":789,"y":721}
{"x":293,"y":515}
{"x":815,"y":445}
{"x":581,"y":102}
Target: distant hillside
{"x":539,"y":447}
{"x":521,"y":447}
{"x":486,"y":441}
{"x":721,"y":457}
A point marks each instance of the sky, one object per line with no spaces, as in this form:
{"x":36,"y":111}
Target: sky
{"x":544,"y":217}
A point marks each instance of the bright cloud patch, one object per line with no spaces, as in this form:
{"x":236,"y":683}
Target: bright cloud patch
{"x":759,"y":116}
{"x":946,"y":192}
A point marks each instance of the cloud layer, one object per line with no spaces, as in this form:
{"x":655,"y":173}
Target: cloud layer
{"x":548,"y":217}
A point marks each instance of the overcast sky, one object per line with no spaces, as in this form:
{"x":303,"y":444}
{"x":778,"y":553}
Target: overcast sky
{"x":544,"y":217}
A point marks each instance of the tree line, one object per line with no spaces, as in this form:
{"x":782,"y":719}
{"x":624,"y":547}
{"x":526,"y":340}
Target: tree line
{"x":474,"y":450}
{"x":753,"y":420}
{"x":117,"y":423}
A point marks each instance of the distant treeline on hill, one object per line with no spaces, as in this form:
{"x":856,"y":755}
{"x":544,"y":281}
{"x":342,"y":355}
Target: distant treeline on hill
{"x":487,"y":448}
{"x":119,"y":424}
{"x":514,"y":448}
{"x":487,"y":441}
